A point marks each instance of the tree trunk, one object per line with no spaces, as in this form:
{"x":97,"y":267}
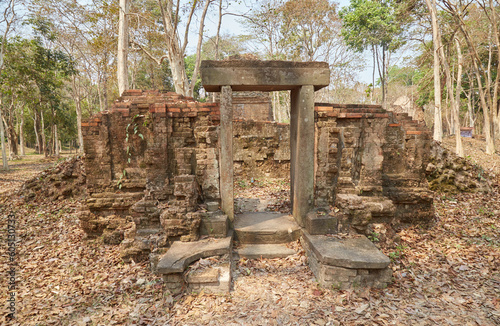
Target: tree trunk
{"x":458,"y":138}
{"x":373,"y":75}
{"x":496,"y":102}
{"x":217,"y":35}
{"x":2,"y":142}
{"x":56,"y":141}
{"x":36,"y":125}
{"x":122,"y":57}
{"x":105,"y":91}
{"x":77,"y":99}
{"x":438,"y":124}
{"x":44,"y":143}
{"x":198,"y":49}
{"x":175,"y":52}
{"x":484,"y":94}
{"x":454,"y":126}
{"x":21,"y":133}
{"x":11,"y":137}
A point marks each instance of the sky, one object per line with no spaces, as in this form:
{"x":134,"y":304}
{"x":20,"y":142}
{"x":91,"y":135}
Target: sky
{"x":231,"y":26}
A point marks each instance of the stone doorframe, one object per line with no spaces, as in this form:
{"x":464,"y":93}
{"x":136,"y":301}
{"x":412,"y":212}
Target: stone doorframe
{"x":302,"y":79}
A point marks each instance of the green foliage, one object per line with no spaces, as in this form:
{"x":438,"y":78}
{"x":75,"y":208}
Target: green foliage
{"x":398,"y":253}
{"x":374,"y":237}
{"x":367,"y":23}
{"x":34,"y":79}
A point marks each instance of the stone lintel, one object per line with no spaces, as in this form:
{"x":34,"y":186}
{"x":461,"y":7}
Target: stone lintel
{"x":257,"y":75}
{"x":358,"y":253}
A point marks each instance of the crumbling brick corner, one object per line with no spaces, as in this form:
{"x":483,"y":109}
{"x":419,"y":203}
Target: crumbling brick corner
{"x":152,"y":160}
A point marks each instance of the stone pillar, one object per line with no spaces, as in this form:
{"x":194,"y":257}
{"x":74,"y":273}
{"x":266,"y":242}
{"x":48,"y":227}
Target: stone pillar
{"x":226,"y":151}
{"x":303,"y":163}
{"x":294,"y":95}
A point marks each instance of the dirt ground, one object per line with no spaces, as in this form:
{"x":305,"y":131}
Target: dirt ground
{"x":447,"y":274}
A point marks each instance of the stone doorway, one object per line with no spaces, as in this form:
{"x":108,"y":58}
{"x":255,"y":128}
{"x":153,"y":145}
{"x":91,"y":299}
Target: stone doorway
{"x":302,"y":79}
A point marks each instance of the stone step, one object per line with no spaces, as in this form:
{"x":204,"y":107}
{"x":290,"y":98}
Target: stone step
{"x":266,"y":251}
{"x":265,"y":228}
{"x":215,"y":280}
{"x":181,"y":254}
{"x":345,"y":181}
{"x":346,"y":262}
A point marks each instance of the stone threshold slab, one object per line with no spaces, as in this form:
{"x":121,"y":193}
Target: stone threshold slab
{"x":358,"y":253}
{"x":265,"y":228}
{"x":181,"y":254}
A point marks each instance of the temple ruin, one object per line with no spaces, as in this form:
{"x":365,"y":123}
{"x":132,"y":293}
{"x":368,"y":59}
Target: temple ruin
{"x":160,"y":175}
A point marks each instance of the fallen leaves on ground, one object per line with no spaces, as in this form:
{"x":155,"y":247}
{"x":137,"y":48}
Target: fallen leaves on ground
{"x":447,"y":274}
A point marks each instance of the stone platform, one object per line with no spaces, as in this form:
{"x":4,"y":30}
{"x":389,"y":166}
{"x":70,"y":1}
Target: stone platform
{"x":346,"y":263}
{"x":264,"y":235}
{"x":181,"y":254}
{"x":265,"y":228}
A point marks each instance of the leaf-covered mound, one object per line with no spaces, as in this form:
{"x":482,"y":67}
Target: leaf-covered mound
{"x":64,"y":180}
{"x":447,"y":172}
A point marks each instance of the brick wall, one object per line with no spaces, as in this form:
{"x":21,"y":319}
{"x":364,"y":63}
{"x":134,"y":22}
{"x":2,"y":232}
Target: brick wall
{"x":152,"y":161}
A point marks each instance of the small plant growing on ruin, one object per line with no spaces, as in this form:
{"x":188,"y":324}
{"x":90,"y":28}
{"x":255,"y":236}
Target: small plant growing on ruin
{"x":122,"y":176}
{"x":135,"y":128}
{"x":399,"y":253}
{"x":374,"y":237}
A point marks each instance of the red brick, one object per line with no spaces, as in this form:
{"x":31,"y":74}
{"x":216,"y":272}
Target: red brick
{"x":204,"y":109}
{"x":414,"y":132}
{"x":123,"y":112}
{"x":354,"y":115}
{"x":160,"y":110}
{"x":381,"y":115}
{"x":173,"y":109}
{"x":85,"y":124}
{"x":323,"y":108}
{"x":394,"y":125}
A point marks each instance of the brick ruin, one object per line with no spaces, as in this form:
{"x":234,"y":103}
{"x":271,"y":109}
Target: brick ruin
{"x":153,"y":165}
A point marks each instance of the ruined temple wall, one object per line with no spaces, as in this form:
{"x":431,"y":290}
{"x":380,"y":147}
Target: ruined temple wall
{"x":154,"y":158}
{"x":261,"y":148}
{"x":349,"y":157}
{"x":151,"y":150}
